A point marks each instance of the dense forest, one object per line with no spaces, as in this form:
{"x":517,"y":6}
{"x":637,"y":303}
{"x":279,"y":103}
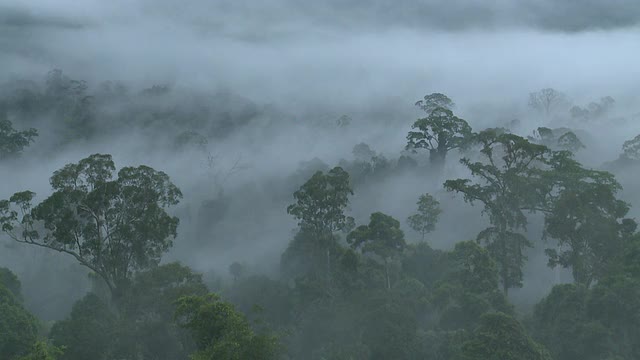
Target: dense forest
{"x":222,"y":181}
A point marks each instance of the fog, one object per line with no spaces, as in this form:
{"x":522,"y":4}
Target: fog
{"x":280,"y":74}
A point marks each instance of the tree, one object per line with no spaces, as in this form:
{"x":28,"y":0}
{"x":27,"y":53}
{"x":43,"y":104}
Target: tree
{"x":12,"y":141}
{"x":500,"y":336}
{"x":509,"y":183}
{"x":585,"y":217}
{"x":220,"y":332}
{"x":557,"y":139}
{"x":631,"y":148}
{"x":434,"y":101}
{"x":18,"y":328}
{"x":236,"y":270}
{"x":362,"y":152}
{"x":11,"y":282}
{"x":570,"y":141}
{"x":319,"y":208}
{"x":42,"y":350}
{"x":89,"y":332}
{"x":71,"y":104}
{"x":320,"y":202}
{"x":469,"y":287}
{"x":382,"y":237}
{"x":113,"y":227}
{"x":547,"y":101}
{"x":613,"y":302}
{"x":343,"y":121}
{"x":561,"y":323}
{"x":590,"y":227}
{"x":425,"y":220}
{"x":141,"y":327}
{"x":440,"y":132}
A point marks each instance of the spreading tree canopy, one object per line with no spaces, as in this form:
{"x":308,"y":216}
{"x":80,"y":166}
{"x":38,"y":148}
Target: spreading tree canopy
{"x":112,"y":226}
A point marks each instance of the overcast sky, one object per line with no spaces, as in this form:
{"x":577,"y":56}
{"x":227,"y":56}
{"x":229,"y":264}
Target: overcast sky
{"x":289,"y":51}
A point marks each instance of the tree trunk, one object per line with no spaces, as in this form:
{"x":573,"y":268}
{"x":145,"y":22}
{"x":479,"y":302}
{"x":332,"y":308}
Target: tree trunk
{"x":386,"y":269}
{"x":437,"y":158}
{"x":328,"y":266}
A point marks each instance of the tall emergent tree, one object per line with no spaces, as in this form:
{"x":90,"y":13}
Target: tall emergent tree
{"x":382,"y":237}
{"x":509,"y":183}
{"x":424,"y":221}
{"x":112,"y":226}
{"x":435,"y":100}
{"x":548,"y":100}
{"x":440,"y":132}
{"x":319,"y":208}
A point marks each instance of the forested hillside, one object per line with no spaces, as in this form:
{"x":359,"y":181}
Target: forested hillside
{"x":325,"y":181}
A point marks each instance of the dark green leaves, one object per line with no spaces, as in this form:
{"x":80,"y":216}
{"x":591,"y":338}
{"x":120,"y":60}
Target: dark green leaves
{"x":382,"y":236}
{"x":500,"y":336}
{"x":508,"y":182}
{"x":321,"y":201}
{"x":114,"y":227}
{"x":439,"y":133}
{"x":12,"y":141}
{"x":220,"y":332}
{"x":424,"y":221}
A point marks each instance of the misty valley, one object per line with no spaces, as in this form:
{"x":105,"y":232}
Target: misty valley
{"x":277,"y":181}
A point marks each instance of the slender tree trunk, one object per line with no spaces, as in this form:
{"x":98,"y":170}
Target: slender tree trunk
{"x":386,"y":269}
{"x":505,"y":262}
{"x":328,"y":266}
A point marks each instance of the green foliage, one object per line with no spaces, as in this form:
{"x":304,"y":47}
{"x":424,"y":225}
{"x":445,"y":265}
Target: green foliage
{"x":12,"y":141}
{"x":320,"y":202}
{"x":508,"y":184}
{"x":319,"y":209}
{"x":424,"y":221}
{"x":434,"y":101}
{"x":18,"y":328}
{"x":90,"y":331}
{"x":589,"y":224}
{"x":220,"y":332}
{"x":274,"y":298}
{"x":631,"y":148}
{"x":469,"y":288}
{"x":501,"y":337}
{"x":614,"y":303}
{"x":440,"y":132}
{"x":42,"y":350}
{"x":598,"y":323}
{"x":11,"y":282}
{"x":113,"y":227}
{"x":473,"y":268}
{"x":140,"y":326}
{"x":425,"y":264}
{"x":557,"y":139}
{"x":382,"y":237}
{"x":561,"y":323}
{"x":306,"y":255}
